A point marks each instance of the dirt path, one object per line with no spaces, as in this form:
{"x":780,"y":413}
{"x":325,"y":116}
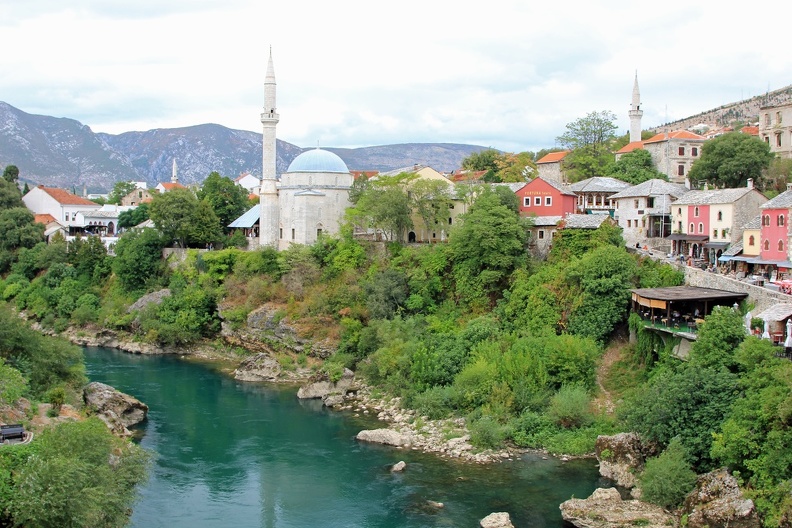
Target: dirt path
{"x":604,"y":400}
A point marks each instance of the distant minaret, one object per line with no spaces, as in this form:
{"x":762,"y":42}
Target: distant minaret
{"x":635,"y":113}
{"x":175,"y":173}
{"x":269,"y":222}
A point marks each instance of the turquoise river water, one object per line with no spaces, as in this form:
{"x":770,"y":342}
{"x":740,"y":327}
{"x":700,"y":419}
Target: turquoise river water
{"x":229,"y":453}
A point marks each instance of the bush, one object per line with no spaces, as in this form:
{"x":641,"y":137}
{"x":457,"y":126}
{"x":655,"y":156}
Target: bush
{"x":487,"y":432}
{"x":436,"y":403}
{"x":668,"y":478}
{"x":569,"y":407}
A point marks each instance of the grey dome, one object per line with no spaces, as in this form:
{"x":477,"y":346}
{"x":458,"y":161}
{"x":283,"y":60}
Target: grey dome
{"x":318,"y":160}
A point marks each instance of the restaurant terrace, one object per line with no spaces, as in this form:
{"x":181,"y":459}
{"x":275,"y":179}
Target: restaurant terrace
{"x":680,"y":308}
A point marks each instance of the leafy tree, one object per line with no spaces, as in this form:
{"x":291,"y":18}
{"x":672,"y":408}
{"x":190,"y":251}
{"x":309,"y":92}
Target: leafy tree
{"x":89,"y":257}
{"x":138,"y":258}
{"x":730,"y":160}
{"x":181,"y":217}
{"x":11,"y":174}
{"x":483,"y":160}
{"x":227,"y":199}
{"x":592,"y":132}
{"x":718,"y":338}
{"x":16,"y":225}
{"x":12,"y":384}
{"x":431,"y":200}
{"x":81,"y":476}
{"x":569,"y":243}
{"x":487,"y":247}
{"x":384,"y":204}
{"x":635,"y":167}
{"x":514,"y":168}
{"x":120,"y":189}
{"x":778,"y":174}
{"x":386,"y":292}
{"x":133,"y":217}
{"x":668,"y":479}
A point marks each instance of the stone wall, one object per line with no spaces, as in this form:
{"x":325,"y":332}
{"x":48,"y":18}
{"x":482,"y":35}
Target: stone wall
{"x":761,"y":297}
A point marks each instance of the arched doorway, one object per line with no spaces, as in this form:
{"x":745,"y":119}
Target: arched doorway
{"x":110,"y":228}
{"x":411,"y":237}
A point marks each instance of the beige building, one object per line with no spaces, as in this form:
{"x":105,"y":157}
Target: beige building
{"x":673,"y":153}
{"x":775,"y":128}
{"x":137,"y":197}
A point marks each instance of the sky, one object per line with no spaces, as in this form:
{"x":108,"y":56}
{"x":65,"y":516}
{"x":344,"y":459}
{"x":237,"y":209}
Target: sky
{"x":506,"y":74}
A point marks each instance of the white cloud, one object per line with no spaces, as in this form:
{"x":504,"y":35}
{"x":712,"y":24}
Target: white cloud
{"x":508,"y":74}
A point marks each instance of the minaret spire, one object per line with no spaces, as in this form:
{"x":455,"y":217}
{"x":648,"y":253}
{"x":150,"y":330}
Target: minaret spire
{"x":635,"y":112}
{"x":269,"y":221}
{"x":174,"y":173}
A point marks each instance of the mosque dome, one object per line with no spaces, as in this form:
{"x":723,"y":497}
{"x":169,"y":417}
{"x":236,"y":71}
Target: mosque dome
{"x":318,"y":160}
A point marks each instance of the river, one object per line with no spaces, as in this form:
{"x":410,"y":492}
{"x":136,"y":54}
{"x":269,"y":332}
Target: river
{"x":229,"y":453}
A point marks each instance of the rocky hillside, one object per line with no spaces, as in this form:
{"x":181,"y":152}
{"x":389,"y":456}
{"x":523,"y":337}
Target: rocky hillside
{"x":65,"y":153}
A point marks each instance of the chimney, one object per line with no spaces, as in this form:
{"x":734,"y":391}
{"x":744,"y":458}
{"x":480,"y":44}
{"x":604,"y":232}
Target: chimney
{"x":750,"y":183}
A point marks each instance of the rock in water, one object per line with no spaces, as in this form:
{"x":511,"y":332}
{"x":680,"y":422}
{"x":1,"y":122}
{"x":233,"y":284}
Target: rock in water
{"x":496,"y":520}
{"x":260,"y":367}
{"x":399,"y":466}
{"x":605,"y":509}
{"x":114,"y":408}
{"x":321,"y":389}
{"x":383,"y":436}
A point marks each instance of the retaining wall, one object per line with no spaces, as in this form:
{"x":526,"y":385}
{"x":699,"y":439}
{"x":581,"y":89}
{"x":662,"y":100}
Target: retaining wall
{"x":761,"y":297}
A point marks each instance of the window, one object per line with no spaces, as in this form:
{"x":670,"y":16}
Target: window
{"x":679,"y":210}
{"x":293,"y":234}
{"x":319,"y":232}
{"x":681,"y":151}
{"x":650,"y":202}
{"x":527,"y":201}
{"x":636,"y":204}
{"x":778,"y":140}
{"x":140,"y":194}
{"x":778,"y":118}
{"x":548,"y":200}
{"x":694,"y":151}
{"x":695,"y":211}
{"x":714,"y":233}
{"x":767,"y":245}
{"x":766,"y":220}
{"x":751,"y":240}
{"x":780,"y":220}
{"x":681,"y":170}
{"x":767,"y":119}
{"x":450,"y":220}
{"x":780,"y":245}
{"x":537,"y":200}
{"x":541,"y":234}
{"x":692,"y":229}
{"x":767,"y":139}
{"x":679,"y":226}
{"x":723,"y":233}
{"x":67,"y":217}
{"x":280,"y":233}
{"x":720,"y":216}
{"x":629,"y":223}
{"x":701,"y":228}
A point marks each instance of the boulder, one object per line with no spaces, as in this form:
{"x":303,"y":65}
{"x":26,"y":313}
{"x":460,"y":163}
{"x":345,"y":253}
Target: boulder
{"x":605,"y":509}
{"x":150,"y":298}
{"x":331,"y":400}
{"x":496,"y":520}
{"x":621,"y":457}
{"x":323,"y":388}
{"x":384,"y":436}
{"x":116,"y":409}
{"x":717,"y":502}
{"x":399,"y":466}
{"x":261,"y":367}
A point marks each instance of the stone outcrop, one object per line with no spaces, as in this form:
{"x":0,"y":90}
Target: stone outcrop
{"x":717,"y":502}
{"x":384,"y":436}
{"x":621,"y":457}
{"x":496,"y":520}
{"x":150,"y":298}
{"x":116,"y":409}
{"x":261,"y":367}
{"x":605,"y":509}
{"x":324,"y":388}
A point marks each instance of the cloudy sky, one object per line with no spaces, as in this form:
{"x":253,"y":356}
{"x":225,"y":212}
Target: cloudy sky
{"x":507,"y":74}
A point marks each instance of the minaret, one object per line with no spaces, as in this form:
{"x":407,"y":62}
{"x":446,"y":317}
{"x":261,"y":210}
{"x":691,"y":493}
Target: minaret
{"x":268,"y":199}
{"x":174,"y":173}
{"x":635,"y":113}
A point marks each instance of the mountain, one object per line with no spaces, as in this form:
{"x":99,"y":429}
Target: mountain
{"x":64,"y":153}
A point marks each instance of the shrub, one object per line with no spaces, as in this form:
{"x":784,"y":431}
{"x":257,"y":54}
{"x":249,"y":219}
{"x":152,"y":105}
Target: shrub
{"x":436,"y":403}
{"x":668,"y":478}
{"x":487,"y":432}
{"x":569,"y":407}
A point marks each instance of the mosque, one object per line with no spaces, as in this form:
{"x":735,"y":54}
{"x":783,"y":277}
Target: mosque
{"x":311,"y":196}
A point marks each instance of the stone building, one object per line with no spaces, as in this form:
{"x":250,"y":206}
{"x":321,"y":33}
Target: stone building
{"x":775,"y":128}
{"x":643,"y":211}
{"x":549,"y":166}
{"x":594,"y":194}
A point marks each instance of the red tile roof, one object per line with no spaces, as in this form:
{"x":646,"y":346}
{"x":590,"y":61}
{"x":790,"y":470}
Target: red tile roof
{"x":676,"y":134}
{"x":629,"y":147}
{"x":465,"y":175}
{"x":64,"y":197}
{"x":169,"y":186}
{"x":357,"y":174}
{"x":44,"y":219}
{"x":750,"y":130}
{"x":554,"y":157}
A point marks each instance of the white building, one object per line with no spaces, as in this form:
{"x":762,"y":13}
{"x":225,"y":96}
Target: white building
{"x":643,"y":211}
{"x":62,"y":205}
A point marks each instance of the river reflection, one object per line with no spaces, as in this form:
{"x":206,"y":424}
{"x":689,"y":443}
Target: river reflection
{"x":239,"y":454}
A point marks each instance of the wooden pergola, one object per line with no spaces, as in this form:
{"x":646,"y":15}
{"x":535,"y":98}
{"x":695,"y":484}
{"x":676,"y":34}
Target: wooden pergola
{"x":664,"y":302}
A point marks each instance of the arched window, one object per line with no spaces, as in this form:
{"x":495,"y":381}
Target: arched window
{"x":767,"y":245}
{"x":679,"y":210}
{"x":695,"y":211}
{"x":751,"y":240}
{"x":701,"y":227}
{"x":692,"y":228}
{"x":766,"y":220}
{"x":780,"y":245}
{"x":780,"y":220}
{"x":720,"y":215}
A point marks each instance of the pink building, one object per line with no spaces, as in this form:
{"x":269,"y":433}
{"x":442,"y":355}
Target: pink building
{"x":543,"y":197}
{"x":774,"y":231}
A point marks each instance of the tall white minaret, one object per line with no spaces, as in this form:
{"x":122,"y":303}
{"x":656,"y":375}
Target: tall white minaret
{"x":269,"y":222}
{"x":635,"y":113}
{"x":174,"y":173}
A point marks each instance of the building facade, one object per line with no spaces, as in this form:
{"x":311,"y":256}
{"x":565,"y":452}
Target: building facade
{"x":775,"y":128}
{"x":541,"y":197}
{"x":643,"y":211}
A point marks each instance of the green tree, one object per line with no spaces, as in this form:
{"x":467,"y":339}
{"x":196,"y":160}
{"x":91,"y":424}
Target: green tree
{"x":483,"y":160}
{"x":133,"y":217}
{"x":635,"y":167}
{"x":718,"y":338}
{"x":730,"y":160}
{"x":592,"y":132}
{"x":138,"y":258}
{"x":668,"y":479}
{"x":11,"y":174}
{"x":227,"y":199}
{"x":431,"y":201}
{"x":778,"y":174}
{"x":513,"y":168}
{"x":487,"y":247}
{"x":384,"y":203}
{"x":120,"y":189}
{"x":182,"y":218}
